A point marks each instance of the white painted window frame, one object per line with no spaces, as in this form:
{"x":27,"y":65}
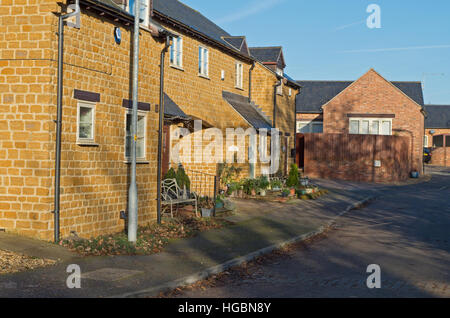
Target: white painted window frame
{"x":425,"y":141}
{"x":203,"y":61}
{"x":239,"y":75}
{"x":91,"y":105}
{"x":140,"y":113}
{"x":370,"y":120}
{"x":177,"y":48}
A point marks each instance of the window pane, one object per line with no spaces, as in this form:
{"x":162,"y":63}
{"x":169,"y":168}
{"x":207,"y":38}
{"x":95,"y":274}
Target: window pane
{"x":85,"y":123}
{"x":354,"y":127}
{"x":85,"y":115}
{"x":386,"y":128}
{"x":438,"y":141}
{"x":200,"y":60}
{"x":303,"y":128}
{"x":141,"y":126}
{"x":317,"y":128}
{"x":447,"y":141}
{"x":375,"y":128}
{"x":425,"y":141}
{"x":365,"y":127}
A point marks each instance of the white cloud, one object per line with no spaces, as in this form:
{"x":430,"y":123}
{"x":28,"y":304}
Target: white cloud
{"x":254,"y":8}
{"x":409,"y":48}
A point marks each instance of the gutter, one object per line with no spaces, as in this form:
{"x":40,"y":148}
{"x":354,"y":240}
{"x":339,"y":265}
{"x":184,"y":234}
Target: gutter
{"x":59,"y":110}
{"x":161,"y":123}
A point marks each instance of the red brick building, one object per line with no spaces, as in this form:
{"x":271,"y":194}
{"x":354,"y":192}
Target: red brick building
{"x":437,"y":133}
{"x":370,"y":105}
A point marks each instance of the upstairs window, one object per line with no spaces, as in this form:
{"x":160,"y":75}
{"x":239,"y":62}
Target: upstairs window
{"x":144,"y":10}
{"x":203,"y":61}
{"x":176,"y":52}
{"x":280,"y":88}
{"x":239,"y":75}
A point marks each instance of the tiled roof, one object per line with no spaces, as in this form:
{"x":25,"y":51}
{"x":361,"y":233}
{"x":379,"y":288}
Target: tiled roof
{"x":238,"y":42}
{"x":266,"y":54}
{"x":182,"y":13}
{"x":438,"y":116}
{"x":248,"y":111}
{"x":172,"y":109}
{"x":314,"y":94}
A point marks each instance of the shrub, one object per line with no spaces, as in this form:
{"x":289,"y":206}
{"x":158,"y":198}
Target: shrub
{"x":183,"y":178}
{"x":263,"y":183}
{"x":171,"y":174}
{"x":292,"y":180}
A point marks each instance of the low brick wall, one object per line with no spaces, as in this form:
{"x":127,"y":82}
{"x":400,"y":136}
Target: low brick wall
{"x":354,"y":157}
{"x":441,"y":157}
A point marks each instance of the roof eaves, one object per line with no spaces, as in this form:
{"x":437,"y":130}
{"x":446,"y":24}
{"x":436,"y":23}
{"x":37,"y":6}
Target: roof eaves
{"x":201,"y":35}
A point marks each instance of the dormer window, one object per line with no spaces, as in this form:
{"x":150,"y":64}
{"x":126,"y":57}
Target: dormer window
{"x":144,"y":10}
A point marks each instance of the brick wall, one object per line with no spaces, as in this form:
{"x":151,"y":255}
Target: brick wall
{"x":352,"y":157}
{"x":372,"y":94}
{"x":440,"y":156}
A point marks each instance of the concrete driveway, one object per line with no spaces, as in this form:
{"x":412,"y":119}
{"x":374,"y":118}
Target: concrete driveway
{"x":406,"y":232}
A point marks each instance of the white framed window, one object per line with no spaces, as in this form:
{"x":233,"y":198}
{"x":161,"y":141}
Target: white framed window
{"x":176,"y":52}
{"x":425,"y":141}
{"x":85,"y":122}
{"x":203,"y":61}
{"x":141,"y":135}
{"x":370,"y":126}
{"x":290,"y":92}
{"x":309,"y":127}
{"x":144,"y":10}
{"x":280,"y":88}
{"x":239,"y":75}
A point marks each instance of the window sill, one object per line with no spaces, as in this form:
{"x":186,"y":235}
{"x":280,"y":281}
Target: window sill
{"x":87,"y":144}
{"x":138,"y":162}
{"x":239,"y":88}
{"x":177,"y":67}
{"x":204,"y":76}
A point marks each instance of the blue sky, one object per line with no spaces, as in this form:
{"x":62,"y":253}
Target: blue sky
{"x":329,"y":39}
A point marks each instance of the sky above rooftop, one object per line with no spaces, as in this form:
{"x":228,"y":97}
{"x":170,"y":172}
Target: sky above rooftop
{"x":330,"y":39}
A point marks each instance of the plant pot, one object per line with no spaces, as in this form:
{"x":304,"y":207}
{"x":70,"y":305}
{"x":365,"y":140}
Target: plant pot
{"x":262,"y":193}
{"x":240,"y":193}
{"x":414,"y":174}
{"x":253,"y":192}
{"x":292,"y":192}
{"x":206,"y":213}
{"x":189,"y":208}
{"x":276,"y":189}
{"x":219,"y":205}
{"x":309,"y":191}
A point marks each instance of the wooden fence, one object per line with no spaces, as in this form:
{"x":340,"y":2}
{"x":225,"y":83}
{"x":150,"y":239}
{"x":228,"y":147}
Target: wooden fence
{"x":370,"y":158}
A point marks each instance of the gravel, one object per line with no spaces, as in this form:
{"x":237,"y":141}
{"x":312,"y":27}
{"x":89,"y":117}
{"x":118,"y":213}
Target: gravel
{"x":12,"y":262}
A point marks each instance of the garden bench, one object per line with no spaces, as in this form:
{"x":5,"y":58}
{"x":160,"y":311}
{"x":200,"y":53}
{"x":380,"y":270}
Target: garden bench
{"x":172,"y":195}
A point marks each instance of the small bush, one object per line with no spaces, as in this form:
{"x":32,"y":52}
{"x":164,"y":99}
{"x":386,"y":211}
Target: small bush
{"x":293,"y":179}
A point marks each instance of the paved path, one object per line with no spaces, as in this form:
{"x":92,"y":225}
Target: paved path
{"x":406,"y":232}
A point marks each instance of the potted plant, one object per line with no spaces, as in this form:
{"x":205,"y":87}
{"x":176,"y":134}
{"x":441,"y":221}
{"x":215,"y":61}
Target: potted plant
{"x":292,"y":180}
{"x":206,"y":205}
{"x":249,"y":186}
{"x":183,"y":181}
{"x":220,"y":201}
{"x":285,"y":193}
{"x":276,"y":185}
{"x":414,"y":174}
{"x":262,"y":185}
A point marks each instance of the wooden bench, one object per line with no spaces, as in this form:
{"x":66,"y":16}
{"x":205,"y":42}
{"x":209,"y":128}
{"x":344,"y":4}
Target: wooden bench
{"x":172,"y":195}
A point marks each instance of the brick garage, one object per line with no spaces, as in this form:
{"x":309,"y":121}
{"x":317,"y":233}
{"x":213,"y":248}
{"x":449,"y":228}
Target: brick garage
{"x":368,"y":158}
{"x":383,"y":107}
